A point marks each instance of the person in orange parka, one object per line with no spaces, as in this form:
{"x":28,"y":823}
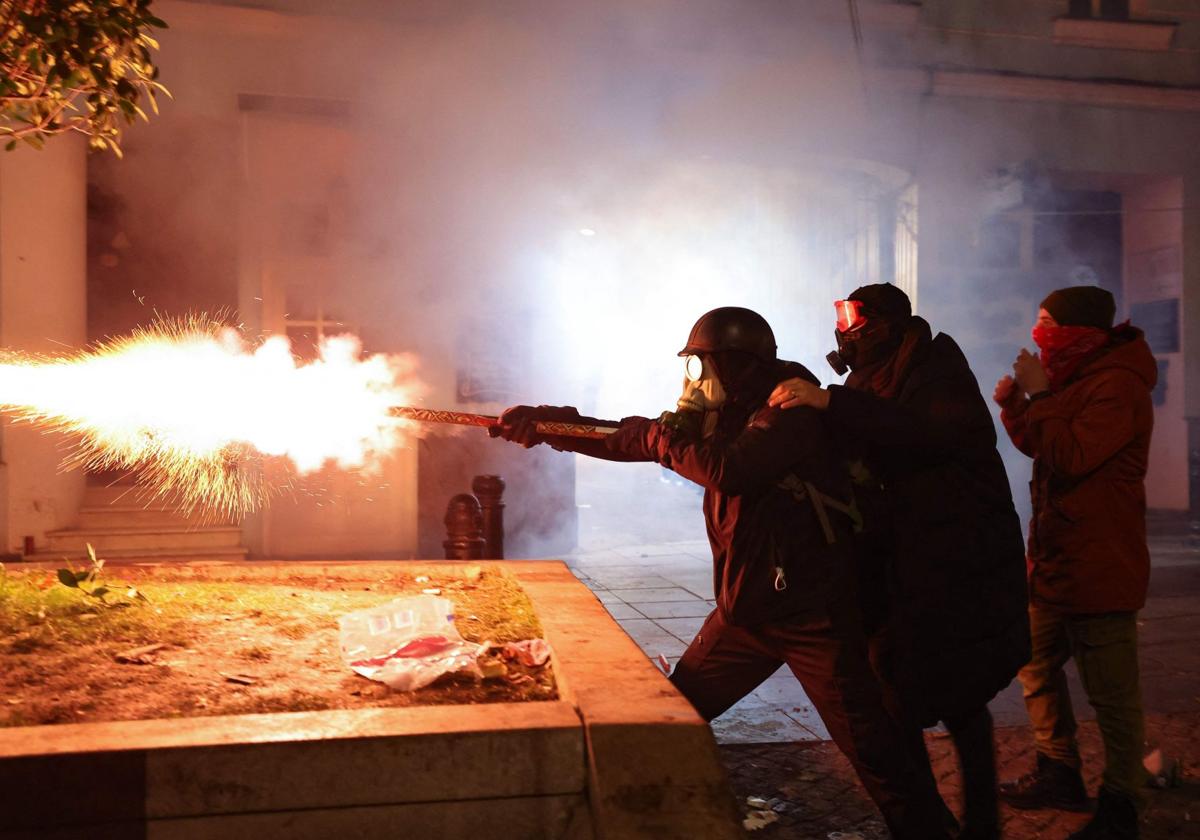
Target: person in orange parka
{"x":1083,"y":411}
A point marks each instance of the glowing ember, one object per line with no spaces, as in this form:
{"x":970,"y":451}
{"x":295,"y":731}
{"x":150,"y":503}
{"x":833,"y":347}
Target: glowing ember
{"x":184,"y":404}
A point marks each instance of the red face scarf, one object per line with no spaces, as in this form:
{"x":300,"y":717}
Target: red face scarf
{"x":1064,"y":349}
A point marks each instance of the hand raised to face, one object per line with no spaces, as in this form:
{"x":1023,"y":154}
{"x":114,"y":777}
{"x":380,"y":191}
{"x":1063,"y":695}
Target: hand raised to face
{"x":1029,"y":373}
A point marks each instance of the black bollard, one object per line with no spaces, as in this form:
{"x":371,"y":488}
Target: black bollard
{"x":464,"y":529}
{"x":488,"y":489}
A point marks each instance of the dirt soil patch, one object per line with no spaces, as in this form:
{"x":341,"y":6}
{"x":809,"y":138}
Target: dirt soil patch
{"x":223,"y":640}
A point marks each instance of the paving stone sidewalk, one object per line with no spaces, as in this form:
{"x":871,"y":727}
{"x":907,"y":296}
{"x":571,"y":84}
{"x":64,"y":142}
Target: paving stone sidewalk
{"x":775,"y":746}
{"x":814,"y":793}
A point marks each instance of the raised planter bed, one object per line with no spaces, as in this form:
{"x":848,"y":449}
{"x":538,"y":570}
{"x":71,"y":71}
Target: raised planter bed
{"x":619,"y":754}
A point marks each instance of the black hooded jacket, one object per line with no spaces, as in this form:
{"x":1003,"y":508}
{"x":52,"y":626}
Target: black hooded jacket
{"x":777,"y":553}
{"x":943,"y":566}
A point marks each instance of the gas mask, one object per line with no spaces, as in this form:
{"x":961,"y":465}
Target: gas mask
{"x":703,"y":395}
{"x":860,"y":340}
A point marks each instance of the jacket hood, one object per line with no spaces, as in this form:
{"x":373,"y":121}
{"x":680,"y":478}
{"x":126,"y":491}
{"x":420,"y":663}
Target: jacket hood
{"x":758,"y":383}
{"x":791,"y":370}
{"x":1130,"y":351}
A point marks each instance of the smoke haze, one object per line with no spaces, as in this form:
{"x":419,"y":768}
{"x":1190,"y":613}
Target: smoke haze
{"x":539,"y":199}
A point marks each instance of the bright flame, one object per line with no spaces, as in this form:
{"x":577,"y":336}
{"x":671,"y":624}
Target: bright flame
{"x":187,"y":404}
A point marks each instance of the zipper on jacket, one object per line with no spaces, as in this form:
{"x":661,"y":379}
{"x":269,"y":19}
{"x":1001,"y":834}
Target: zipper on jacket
{"x":780,"y":579}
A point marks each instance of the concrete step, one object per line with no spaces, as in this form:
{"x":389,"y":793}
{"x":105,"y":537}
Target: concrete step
{"x":106,"y":517}
{"x":153,"y":538}
{"x":233,"y":554}
{"x":131,"y":495}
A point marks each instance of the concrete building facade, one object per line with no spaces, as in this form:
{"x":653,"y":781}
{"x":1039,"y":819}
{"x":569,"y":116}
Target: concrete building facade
{"x":410,"y":173}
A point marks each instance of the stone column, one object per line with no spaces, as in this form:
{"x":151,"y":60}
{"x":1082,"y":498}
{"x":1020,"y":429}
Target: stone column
{"x":43,"y":309}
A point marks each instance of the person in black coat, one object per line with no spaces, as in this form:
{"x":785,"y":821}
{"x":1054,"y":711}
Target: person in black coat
{"x":942,"y":559}
{"x":782,"y":545}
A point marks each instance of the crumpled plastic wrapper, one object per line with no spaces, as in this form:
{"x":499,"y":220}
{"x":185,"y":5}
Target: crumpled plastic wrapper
{"x":407,"y":643}
{"x":532,"y":653}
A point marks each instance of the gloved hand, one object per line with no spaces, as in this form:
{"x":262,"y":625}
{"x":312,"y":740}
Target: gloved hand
{"x":637,"y":437}
{"x":519,"y":423}
{"x":686,"y":423}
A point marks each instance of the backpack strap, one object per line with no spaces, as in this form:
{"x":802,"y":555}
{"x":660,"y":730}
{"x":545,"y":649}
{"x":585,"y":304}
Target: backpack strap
{"x":822,"y":503}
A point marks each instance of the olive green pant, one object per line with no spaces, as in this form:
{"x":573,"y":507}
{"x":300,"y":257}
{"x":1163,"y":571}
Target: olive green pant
{"x":1105,"y":650}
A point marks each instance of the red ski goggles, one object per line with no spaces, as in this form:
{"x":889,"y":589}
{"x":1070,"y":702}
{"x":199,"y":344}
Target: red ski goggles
{"x":850,"y":315}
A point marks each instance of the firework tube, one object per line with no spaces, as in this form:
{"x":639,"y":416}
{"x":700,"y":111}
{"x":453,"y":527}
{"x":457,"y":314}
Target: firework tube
{"x":463,"y":418}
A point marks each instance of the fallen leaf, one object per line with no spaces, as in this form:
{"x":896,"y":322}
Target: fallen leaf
{"x":139,"y":655}
{"x":240,"y":679}
{"x":759,"y":819}
{"x":493,"y":669}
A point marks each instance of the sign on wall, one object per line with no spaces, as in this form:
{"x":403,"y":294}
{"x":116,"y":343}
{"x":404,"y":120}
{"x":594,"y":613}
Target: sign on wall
{"x":1159,"y":319}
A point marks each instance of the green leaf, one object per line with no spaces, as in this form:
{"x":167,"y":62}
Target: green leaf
{"x":10,"y":145}
{"x":70,"y":53}
{"x":67,"y":578}
{"x":100,"y":592}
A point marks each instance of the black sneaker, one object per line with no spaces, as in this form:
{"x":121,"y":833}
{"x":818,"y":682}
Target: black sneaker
{"x":1053,"y":784}
{"x":1116,"y":819}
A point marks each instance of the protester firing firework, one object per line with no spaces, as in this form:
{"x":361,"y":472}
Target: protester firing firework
{"x":460,"y":418}
{"x":188,"y":405}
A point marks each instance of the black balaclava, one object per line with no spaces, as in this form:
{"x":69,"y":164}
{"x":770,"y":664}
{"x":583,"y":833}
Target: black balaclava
{"x":887,"y":310}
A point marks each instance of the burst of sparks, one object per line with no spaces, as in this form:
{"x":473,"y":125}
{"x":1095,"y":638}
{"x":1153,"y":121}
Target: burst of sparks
{"x":188,"y":406}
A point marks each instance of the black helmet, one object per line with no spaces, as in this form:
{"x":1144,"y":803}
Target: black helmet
{"x":732,"y":328}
